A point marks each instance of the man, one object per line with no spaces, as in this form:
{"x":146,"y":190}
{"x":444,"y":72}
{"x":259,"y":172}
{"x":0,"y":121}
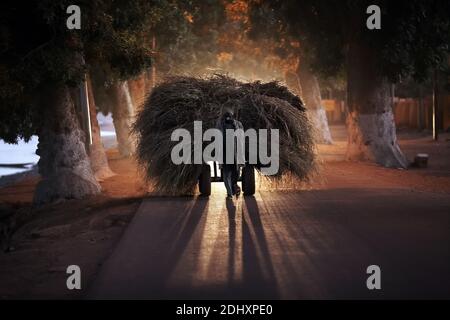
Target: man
{"x":230,"y":171}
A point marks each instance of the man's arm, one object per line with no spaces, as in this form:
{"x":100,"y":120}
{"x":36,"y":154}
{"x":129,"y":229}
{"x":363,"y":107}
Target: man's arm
{"x":241,"y":142}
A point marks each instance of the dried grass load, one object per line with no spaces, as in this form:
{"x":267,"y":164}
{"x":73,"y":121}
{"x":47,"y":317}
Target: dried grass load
{"x":179,"y":101}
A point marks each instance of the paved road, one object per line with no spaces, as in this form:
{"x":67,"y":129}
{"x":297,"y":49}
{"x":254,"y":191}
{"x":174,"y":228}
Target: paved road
{"x":309,"y":244}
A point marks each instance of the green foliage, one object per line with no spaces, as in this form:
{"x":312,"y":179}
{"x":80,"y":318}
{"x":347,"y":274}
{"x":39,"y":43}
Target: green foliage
{"x":37,"y":50}
{"x":414,"y":37}
{"x":190,"y":41}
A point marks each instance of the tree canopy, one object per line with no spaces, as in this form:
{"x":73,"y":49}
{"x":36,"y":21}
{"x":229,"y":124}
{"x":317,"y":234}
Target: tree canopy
{"x":414,"y":35}
{"x":37,"y":49}
{"x":190,"y":42}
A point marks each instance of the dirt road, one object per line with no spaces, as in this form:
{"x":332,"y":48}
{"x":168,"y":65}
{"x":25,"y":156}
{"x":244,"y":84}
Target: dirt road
{"x":316,"y":243}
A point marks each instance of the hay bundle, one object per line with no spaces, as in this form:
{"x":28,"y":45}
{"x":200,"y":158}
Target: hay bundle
{"x":179,"y":101}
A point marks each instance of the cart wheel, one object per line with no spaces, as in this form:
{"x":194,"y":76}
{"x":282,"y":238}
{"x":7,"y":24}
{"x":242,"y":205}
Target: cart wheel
{"x":248,"y":180}
{"x":204,"y":181}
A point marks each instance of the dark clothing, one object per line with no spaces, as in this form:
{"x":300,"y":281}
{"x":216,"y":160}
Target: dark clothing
{"x":225,"y":142}
{"x":235,"y":125}
{"x":230,"y":171}
{"x":230,"y":178}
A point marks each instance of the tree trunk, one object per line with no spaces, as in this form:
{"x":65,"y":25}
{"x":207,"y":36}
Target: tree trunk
{"x":99,"y":160}
{"x":313,"y":101}
{"x":137,"y":90}
{"x":421,"y":111}
{"x":370,"y":122}
{"x":123,"y":113}
{"x":64,"y":165}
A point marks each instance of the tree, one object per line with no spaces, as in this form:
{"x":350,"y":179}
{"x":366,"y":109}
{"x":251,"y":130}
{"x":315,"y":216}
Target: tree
{"x":64,"y":164}
{"x":123,"y":111}
{"x":305,"y":84}
{"x":299,"y":76}
{"x":97,"y":154}
{"x":37,"y":76}
{"x":413,"y":39}
{"x":189,"y":44}
{"x":173,"y":48}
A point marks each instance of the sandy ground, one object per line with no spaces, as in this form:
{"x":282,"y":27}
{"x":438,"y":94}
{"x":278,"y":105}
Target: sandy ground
{"x":434,"y":178}
{"x":43,"y":241}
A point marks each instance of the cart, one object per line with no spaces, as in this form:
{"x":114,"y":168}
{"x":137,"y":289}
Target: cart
{"x":214,"y":174}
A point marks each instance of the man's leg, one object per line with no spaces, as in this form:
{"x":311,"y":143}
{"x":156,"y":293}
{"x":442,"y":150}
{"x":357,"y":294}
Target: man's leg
{"x":234,"y":180}
{"x":227,"y":179}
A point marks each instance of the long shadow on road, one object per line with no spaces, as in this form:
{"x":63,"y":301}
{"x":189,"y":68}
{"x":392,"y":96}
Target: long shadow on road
{"x":165,"y":248}
{"x":255,"y":272}
{"x":312,"y":244}
{"x":258,"y":274}
{"x":150,"y":249}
